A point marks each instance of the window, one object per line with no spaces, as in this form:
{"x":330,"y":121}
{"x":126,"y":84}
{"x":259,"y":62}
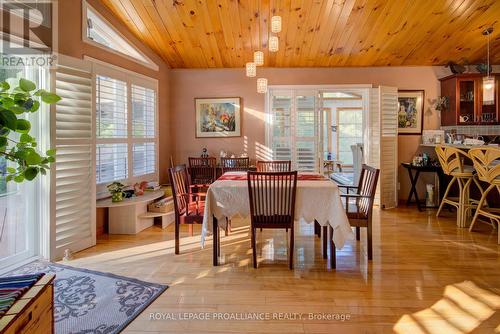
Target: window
{"x":102,"y":34}
{"x":126,"y":136}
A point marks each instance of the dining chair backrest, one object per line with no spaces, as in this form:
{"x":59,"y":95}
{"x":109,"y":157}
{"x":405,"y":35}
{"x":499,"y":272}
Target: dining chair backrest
{"x":180,"y":188}
{"x":202,"y":170}
{"x":272,"y":196}
{"x":486,"y":162}
{"x":367,"y":188}
{"x":451,"y":160}
{"x":274,"y":166}
{"x":235,"y":164}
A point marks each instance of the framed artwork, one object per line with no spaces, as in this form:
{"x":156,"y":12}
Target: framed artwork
{"x":410,"y":112}
{"x":218,"y":117}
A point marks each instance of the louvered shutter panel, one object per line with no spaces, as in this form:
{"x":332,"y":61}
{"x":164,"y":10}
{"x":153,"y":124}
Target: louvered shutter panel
{"x":306,"y":132}
{"x":72,"y":175}
{"x":388,"y":101}
{"x":281,"y":130}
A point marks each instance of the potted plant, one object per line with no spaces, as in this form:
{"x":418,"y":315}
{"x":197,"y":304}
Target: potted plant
{"x":16,"y":143}
{"x":116,"y":191}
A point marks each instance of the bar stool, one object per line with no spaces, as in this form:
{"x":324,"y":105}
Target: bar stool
{"x":487,"y":164}
{"x":451,"y":160}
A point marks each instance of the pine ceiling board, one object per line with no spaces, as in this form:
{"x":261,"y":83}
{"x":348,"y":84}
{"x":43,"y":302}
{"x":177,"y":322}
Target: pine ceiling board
{"x":317,"y":6}
{"x":468,"y":36}
{"x":358,"y":17}
{"x":325,"y":31}
{"x":225,"y":33}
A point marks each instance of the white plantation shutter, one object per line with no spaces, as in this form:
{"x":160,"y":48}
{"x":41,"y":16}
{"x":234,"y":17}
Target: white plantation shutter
{"x":281,"y":111}
{"x":306,"y":131}
{"x":72,"y":175}
{"x":388,"y":101}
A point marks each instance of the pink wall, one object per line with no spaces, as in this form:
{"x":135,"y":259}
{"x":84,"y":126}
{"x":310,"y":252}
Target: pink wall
{"x":190,"y":83}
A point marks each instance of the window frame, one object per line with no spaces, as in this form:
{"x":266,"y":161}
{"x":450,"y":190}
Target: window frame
{"x":130,"y":78}
{"x":85,"y":7}
{"x":337,"y":115}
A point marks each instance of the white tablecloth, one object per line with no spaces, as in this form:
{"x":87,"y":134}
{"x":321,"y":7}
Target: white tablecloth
{"x":316,"y":200}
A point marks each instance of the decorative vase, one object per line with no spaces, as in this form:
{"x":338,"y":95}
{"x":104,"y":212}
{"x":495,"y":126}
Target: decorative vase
{"x":117,"y":197}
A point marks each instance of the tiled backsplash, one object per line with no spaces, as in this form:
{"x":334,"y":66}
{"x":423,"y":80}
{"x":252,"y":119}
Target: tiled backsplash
{"x":474,"y":130}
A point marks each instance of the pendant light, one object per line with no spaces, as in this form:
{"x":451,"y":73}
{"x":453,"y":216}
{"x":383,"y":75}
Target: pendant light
{"x":251,"y":70}
{"x":258,"y":58}
{"x":273,"y":44}
{"x":276,"y":24}
{"x":262,"y":85}
{"x":488,"y":81}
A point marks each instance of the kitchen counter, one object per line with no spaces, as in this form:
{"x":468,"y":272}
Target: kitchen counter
{"x":462,"y":146}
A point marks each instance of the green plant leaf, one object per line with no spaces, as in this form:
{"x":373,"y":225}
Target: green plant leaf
{"x":17,"y":109}
{"x":26,"y":85}
{"x":35,"y":107}
{"x":11,"y":170}
{"x":51,"y":153}
{"x":19,"y":178}
{"x":43,"y":171}
{"x":30,"y":173}
{"x":4,"y":85}
{"x":7,"y":102}
{"x":51,"y":159}
{"x":8,"y":119}
{"x":33,"y":158}
{"x":9,"y":178}
{"x":50,"y":98}
{"x":3,"y":141}
{"x":26,"y":138}
{"x":23,"y":126}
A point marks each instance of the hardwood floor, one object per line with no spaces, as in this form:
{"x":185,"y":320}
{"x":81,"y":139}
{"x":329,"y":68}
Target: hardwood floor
{"x":427,"y":276}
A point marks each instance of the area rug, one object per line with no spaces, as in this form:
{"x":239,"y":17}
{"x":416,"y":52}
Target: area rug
{"x":87,"y":301}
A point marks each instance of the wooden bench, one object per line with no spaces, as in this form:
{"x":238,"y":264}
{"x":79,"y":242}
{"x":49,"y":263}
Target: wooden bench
{"x":33,"y":312}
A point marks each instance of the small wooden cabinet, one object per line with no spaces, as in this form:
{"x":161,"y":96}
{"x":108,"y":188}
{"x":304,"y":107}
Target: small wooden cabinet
{"x":465,"y":94}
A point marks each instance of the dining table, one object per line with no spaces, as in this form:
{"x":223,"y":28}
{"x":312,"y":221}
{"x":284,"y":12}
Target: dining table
{"x":317,"y":201}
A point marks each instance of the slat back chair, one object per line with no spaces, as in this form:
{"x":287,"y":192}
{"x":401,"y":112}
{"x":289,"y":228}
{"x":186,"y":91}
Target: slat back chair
{"x":272,"y":204}
{"x":452,"y":162}
{"x":188,"y":205}
{"x":235,"y":164}
{"x":202,"y":170}
{"x":274,"y":166}
{"x":487,"y":165}
{"x":359,"y":203}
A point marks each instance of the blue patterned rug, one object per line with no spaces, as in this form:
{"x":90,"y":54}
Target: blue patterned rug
{"x":87,"y":301}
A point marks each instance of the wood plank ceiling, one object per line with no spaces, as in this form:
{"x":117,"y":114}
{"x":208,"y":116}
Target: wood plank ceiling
{"x":320,"y":33}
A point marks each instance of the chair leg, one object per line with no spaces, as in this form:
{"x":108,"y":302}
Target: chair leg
{"x":191,"y":230}
{"x":445,"y":196}
{"x":369,"y":245}
{"x":228,"y":227}
{"x":177,"y":237}
{"x":291,"y":248}
{"x":254,"y":248}
{"x":358,"y":232}
{"x":333,"y":255}
{"x":479,"y":206}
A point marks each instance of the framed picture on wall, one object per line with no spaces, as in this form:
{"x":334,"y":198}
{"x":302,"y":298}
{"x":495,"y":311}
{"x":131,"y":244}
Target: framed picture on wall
{"x":410,"y":112}
{"x":218,"y":117}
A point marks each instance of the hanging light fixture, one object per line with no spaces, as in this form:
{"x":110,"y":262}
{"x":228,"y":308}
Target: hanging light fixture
{"x":488,"y":81}
{"x":262,"y":85}
{"x":276,"y":24}
{"x":258,"y":58}
{"x":273,"y":44}
{"x":251,"y":70}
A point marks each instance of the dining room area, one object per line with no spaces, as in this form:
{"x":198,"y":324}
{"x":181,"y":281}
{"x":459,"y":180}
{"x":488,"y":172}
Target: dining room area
{"x":260,"y":166}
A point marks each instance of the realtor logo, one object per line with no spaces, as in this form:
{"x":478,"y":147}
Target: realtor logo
{"x":27,"y":32}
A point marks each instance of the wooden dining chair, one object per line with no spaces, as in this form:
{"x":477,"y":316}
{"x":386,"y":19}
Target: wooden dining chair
{"x":188,"y":205}
{"x":272,"y":205}
{"x":235,"y":164}
{"x":274,"y":166}
{"x":202,"y":170}
{"x":359,"y":203}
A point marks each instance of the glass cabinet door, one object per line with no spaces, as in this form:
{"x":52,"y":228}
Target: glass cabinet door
{"x":467,"y":101}
{"x":489,"y":111}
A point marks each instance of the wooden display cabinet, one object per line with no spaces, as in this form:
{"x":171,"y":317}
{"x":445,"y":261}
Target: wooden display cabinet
{"x":465,"y":94}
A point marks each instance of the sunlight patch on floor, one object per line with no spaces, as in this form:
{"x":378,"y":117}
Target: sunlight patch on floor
{"x":462,"y":309}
